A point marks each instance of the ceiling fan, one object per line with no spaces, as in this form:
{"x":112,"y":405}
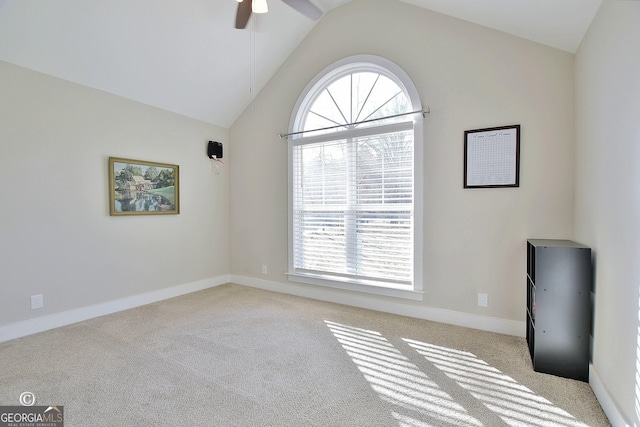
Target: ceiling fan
{"x":246,"y":7}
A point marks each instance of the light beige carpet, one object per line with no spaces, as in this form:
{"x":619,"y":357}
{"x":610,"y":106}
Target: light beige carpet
{"x":236,"y":356}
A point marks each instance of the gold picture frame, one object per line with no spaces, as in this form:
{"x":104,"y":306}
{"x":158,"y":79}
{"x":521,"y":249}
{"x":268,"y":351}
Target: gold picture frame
{"x":138,"y":187}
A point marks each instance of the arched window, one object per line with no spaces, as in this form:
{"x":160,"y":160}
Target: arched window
{"x":355,"y":187}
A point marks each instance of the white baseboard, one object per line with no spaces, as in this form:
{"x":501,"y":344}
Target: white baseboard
{"x":609,"y":405}
{"x":44,"y":323}
{"x":388,"y":305}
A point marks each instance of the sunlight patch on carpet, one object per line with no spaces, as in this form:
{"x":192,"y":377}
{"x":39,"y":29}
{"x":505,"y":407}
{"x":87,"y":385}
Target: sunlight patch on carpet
{"x":514,"y":403}
{"x":398,"y":381}
{"x":419,"y":401}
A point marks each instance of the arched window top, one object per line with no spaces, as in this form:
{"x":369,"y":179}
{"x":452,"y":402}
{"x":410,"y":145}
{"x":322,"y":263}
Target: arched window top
{"x":356,"y":92}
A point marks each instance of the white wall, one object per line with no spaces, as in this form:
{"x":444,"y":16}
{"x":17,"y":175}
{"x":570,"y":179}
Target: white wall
{"x":471,"y":77}
{"x":57,"y":238}
{"x":607,"y":206}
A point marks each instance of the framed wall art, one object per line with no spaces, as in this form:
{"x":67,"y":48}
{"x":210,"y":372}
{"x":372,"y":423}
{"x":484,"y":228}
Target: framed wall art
{"x":492,"y":157}
{"x":138,"y":187}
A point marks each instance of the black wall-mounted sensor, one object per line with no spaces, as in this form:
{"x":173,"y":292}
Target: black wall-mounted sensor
{"x":214,"y":149}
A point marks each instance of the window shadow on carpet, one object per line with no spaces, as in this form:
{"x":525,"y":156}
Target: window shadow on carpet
{"x":457,"y":389}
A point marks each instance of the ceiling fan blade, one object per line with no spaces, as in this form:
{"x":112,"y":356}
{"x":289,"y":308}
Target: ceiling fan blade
{"x":306,"y":8}
{"x":243,"y":14}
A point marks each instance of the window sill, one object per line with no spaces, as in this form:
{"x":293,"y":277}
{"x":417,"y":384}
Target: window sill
{"x":388,"y":291}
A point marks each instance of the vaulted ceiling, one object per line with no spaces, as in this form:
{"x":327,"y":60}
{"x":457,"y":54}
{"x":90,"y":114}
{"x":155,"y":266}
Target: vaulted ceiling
{"x":186,"y":56}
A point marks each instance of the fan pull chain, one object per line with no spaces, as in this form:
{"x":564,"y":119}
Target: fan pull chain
{"x":252,"y":61}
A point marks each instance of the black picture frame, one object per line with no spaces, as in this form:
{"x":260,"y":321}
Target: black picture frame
{"x":492,"y":157}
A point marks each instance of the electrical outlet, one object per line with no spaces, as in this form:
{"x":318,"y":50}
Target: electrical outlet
{"x":483,"y":300}
{"x":264,"y":269}
{"x":37,"y":301}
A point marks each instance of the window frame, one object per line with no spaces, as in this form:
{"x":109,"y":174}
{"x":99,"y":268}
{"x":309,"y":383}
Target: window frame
{"x":337,"y":70}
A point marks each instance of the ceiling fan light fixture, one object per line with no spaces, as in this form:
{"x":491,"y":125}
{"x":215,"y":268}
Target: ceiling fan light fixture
{"x":259,"y":6}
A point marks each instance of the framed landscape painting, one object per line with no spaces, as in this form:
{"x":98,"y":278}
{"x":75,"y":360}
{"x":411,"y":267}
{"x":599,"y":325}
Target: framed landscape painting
{"x":138,"y":187}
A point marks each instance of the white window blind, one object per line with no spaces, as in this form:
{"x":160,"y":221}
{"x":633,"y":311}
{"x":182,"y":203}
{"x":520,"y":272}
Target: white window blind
{"x":353,"y":207}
